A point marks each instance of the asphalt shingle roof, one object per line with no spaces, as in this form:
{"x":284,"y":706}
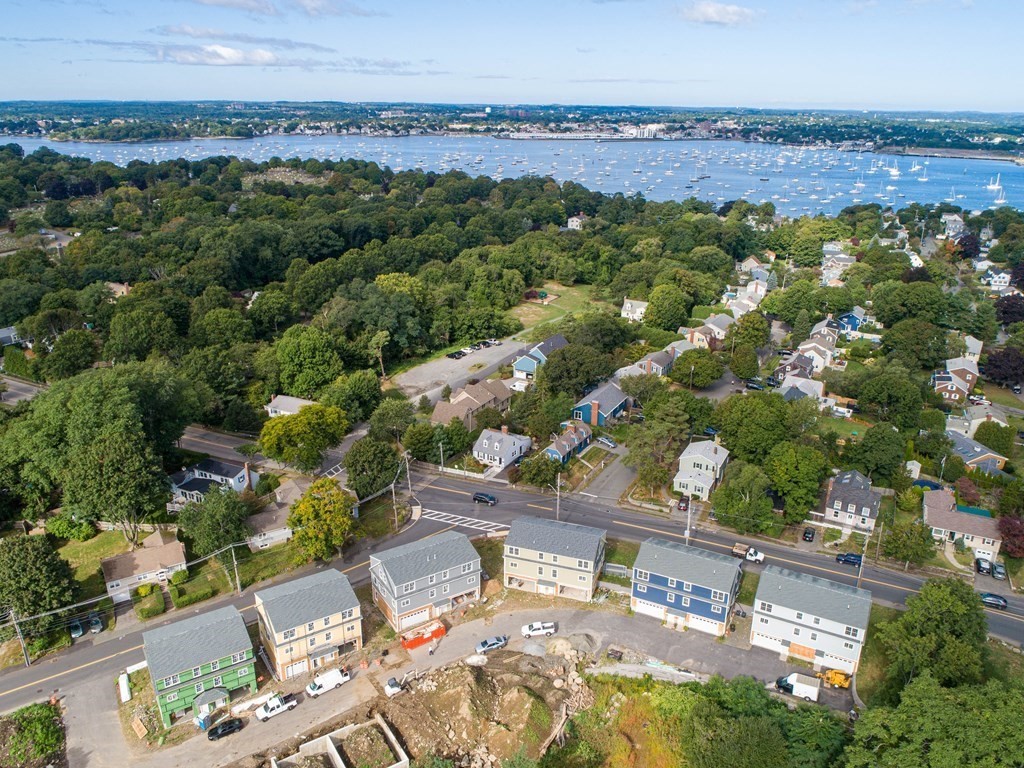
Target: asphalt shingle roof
{"x":220,"y":467}
{"x":815,"y":596}
{"x":419,"y":559}
{"x":192,"y":642}
{"x":307,"y":599}
{"x":685,"y":563}
{"x":580,"y":542}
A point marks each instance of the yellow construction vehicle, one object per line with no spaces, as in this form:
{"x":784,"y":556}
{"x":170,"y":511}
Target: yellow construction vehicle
{"x":835,"y":678}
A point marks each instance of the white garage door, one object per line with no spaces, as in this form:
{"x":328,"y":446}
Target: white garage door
{"x":121,"y":597}
{"x":987,"y":554}
{"x":648,"y":608}
{"x":413,"y":619}
{"x":296,"y":669}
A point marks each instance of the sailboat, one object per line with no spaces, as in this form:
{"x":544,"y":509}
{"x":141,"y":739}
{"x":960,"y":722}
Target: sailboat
{"x":994,"y":185}
{"x":924,"y":176}
{"x":1001,"y":197}
{"x":915,"y":167}
{"x":952,"y":195}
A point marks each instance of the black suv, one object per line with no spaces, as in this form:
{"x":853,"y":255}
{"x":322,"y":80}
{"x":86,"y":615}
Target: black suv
{"x":808,"y":534}
{"x":849,"y":558}
{"x":226,"y":728}
{"x":981,"y":565}
{"x":484,"y":498}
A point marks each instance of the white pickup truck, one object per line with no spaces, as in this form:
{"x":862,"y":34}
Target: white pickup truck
{"x":546,"y":628}
{"x":747,"y":552}
{"x":275,"y":706}
{"x":332,"y":678}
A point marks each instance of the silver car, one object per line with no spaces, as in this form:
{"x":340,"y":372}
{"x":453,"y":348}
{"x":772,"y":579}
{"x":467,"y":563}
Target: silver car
{"x":492,"y":644}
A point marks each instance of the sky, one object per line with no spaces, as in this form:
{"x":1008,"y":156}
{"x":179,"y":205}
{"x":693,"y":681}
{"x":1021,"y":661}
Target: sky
{"x":832,"y":54}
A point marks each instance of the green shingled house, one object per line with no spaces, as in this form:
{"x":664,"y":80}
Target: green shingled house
{"x":196,"y":664}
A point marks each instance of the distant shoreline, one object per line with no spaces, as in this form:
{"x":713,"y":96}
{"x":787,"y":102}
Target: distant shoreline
{"x":962,"y":154}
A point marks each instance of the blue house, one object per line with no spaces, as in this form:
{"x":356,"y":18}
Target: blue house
{"x":604,"y":403}
{"x":853,"y":320}
{"x":685,"y":586}
{"x":571,"y":442}
{"x":526,"y":366}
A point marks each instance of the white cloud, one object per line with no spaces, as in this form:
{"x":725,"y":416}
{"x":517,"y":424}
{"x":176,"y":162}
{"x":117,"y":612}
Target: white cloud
{"x":262,"y":7}
{"x":718,"y":14}
{"x":334,"y":8}
{"x":207,"y":33}
{"x":220,"y":56}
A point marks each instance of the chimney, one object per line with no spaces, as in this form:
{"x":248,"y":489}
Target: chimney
{"x":595,"y":410}
{"x":504,"y":429}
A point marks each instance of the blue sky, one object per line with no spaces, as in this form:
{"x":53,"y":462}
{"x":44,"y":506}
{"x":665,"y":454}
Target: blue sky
{"x":858,"y":54}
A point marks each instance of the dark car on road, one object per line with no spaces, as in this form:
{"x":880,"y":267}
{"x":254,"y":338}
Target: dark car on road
{"x":849,"y":558}
{"x":754,"y":385}
{"x":808,"y":534}
{"x":485,"y":498}
{"x":226,"y":728}
{"x":993,"y":601}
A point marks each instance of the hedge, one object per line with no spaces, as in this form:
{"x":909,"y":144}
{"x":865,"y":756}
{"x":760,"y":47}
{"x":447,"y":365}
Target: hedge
{"x":150,"y":605}
{"x":17,"y":363}
{"x":180,"y":598}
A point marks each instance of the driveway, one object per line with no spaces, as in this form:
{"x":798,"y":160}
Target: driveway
{"x":611,"y":482}
{"x":429,"y":378}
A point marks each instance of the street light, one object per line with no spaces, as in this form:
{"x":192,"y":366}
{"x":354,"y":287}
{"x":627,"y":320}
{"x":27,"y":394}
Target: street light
{"x":558,"y":495}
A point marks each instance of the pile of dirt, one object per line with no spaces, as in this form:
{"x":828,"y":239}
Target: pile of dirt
{"x":367,"y":746}
{"x":507,"y":706}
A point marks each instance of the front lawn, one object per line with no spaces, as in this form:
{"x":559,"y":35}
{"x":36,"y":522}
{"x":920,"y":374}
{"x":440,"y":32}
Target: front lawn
{"x":748,"y":587}
{"x":377,"y":518}
{"x":84,"y":558}
{"x":492,"y":557}
{"x":843,"y":427}
{"x":621,"y":552}
{"x":1000,"y":395}
{"x":270,"y":562}
{"x":873,"y":662}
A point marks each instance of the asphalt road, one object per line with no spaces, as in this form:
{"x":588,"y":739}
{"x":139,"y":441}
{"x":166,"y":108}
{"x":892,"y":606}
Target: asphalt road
{"x":18,"y":390}
{"x":430,"y":377}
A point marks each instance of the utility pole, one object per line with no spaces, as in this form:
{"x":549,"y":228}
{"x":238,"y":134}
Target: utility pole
{"x":863,"y":554}
{"x":558,"y":496}
{"x":687,"y":525}
{"x":878,"y":544}
{"x":441,"y":446}
{"x":408,"y":472}
{"x":394,"y":502}
{"x":21,"y":638}
{"x":234,"y":562}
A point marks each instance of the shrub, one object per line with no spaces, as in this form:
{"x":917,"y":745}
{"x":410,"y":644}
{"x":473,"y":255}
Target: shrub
{"x":150,"y":606}
{"x":38,"y":733}
{"x":181,"y":599}
{"x":268,"y":483}
{"x":17,"y":363}
{"x":63,"y":527}
{"x":179,"y":577}
{"x":144,"y":590}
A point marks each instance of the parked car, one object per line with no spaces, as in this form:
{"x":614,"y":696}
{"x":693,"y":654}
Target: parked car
{"x":95,"y":623}
{"x":710,"y":431}
{"x":808,"y":534}
{"x":456,"y":355}
{"x":224,"y":728}
{"x":493,"y":343}
{"x":332,"y":678}
{"x":981,"y":565}
{"x":546,"y":628}
{"x":979,"y":400}
{"x":607,"y":441}
{"x":771,"y":381}
{"x":803,"y":686}
{"x":393,"y":687}
{"x":277,"y":704}
{"x":684,"y":504}
{"x":466,"y":351}
{"x":492,"y":644}
{"x":849,"y":558}
{"x":1016,"y":389}
{"x":993,"y":601}
{"x":485,"y":498}
{"x":76,"y":629}
{"x":754,"y":385}
{"x":474,"y":347}
{"x":999,"y":571}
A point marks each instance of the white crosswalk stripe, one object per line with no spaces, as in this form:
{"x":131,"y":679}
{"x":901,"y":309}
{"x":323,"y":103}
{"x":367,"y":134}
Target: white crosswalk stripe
{"x":465,"y":522}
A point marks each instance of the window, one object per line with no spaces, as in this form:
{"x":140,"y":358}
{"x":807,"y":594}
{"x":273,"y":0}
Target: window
{"x":540,"y":570}
{"x":716,"y":609}
{"x":404,"y":604}
{"x":799,"y":615}
{"x":766,"y":607}
{"x":554,"y":558}
{"x":848,"y":646}
{"x":554,"y":573}
{"x":407,"y":588}
{"x":196,"y":671}
{"x":327,"y":621}
{"x":312,"y":642}
{"x":687,"y":586}
{"x":514,"y":551}
{"x":641,"y":575}
{"x":444,"y":589}
{"x":582,"y":564}
{"x":243,"y":671}
{"x":838,"y":504}
{"x":432,"y":594}
{"x":796,"y":631}
{"x":471,"y":580}
{"x":444,"y":575}
{"x":217,"y":682}
{"x":671,"y":597}
{"x":814,"y":635}
{"x":431,"y":578}
{"x":852,"y":632}
{"x":214,"y":666}
{"x":345,"y":615}
{"x":513,"y":564}
{"x":199,"y":687}
{"x":671,"y":582}
{"x":327,"y":637}
{"x":240,"y":656}
{"x":311,"y":626}
{"x":686,"y":602}
{"x":817,"y":621}
{"x":540,"y":555}
{"x":764,"y":619}
{"x":172,"y":680}
{"x":582,"y":578}
{"x":718,"y":597}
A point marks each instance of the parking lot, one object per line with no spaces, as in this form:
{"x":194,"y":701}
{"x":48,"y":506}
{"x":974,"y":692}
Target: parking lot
{"x":430,"y":377}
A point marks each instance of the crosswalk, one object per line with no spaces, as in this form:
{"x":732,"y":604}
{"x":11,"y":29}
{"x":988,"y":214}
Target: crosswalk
{"x":465,"y":522}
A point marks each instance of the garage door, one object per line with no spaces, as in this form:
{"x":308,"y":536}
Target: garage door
{"x":648,"y":609}
{"x":987,"y":554}
{"x":413,"y":619}
{"x":296,"y":669}
{"x":121,"y":597}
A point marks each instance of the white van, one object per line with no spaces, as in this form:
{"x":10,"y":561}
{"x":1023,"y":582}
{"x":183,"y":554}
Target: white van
{"x":325,"y":681}
{"x":838,"y":410}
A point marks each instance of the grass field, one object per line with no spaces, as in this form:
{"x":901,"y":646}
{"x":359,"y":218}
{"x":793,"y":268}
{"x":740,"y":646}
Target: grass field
{"x":571,"y":299}
{"x":1000,"y":396}
{"x":748,"y":587}
{"x":846,"y":429}
{"x":84,"y":558}
{"x":492,"y":557}
{"x":270,"y":562}
{"x":621,"y":552}
{"x":871,"y":672}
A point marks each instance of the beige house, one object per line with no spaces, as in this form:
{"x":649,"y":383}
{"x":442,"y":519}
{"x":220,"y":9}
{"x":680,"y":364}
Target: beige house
{"x":308,"y":623}
{"x":948,"y":524}
{"x":466,"y":403}
{"x":554,"y":558}
{"x":160,"y":555}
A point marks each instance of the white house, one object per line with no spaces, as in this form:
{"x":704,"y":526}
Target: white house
{"x":285,"y":405}
{"x":633,"y":310}
{"x":500,"y":448}
{"x":807,"y":388}
{"x":953,"y":224}
{"x":701,"y":466}
{"x":819,"y":353}
{"x":576,"y":222}
{"x":973,"y":347}
{"x":160,"y":556}
{"x":810,"y":618}
{"x":193,"y":483}
{"x":973,"y":417}
{"x":996,"y":278}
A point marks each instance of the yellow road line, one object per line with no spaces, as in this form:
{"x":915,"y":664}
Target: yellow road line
{"x":451,"y":490}
{"x":538,"y":506}
{"x":35,"y":683}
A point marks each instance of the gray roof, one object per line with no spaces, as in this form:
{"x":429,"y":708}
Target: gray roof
{"x":580,"y":542}
{"x":608,"y":395}
{"x":219,"y":467}
{"x":970,"y":450}
{"x":815,"y":596}
{"x":419,"y":559}
{"x":198,"y":640}
{"x":852,"y":486}
{"x":507,"y":445}
{"x":307,"y":599}
{"x":550,"y":344}
{"x":692,"y":564}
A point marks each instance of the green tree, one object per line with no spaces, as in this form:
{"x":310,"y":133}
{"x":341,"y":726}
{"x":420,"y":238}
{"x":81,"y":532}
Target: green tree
{"x":751,"y":330}
{"x":391,"y":418}
{"x":134,"y":335}
{"x":751,"y":425}
{"x":744,"y":362}
{"x":302,"y":439}
{"x":995,"y":436}
{"x":457,"y":437}
{"x":57,"y":214}
{"x":539,"y":470}
{"x":322,"y":519}
{"x":668,"y":308}
{"x":571,"y":369}
{"x":375,"y":348}
{"x":372,"y":465}
{"x":880,"y":454}
{"x":911,"y":542}
{"x":269,"y":312}
{"x":643,"y":388}
{"x":547,"y":416}
{"x":358,"y":394}
{"x":216,"y":521}
{"x":796,"y":472}
{"x":698,"y":367}
{"x":74,"y":351}
{"x":34,"y":579}
{"x":801,"y":327}
{"x":742,"y":500}
{"x":892,"y":397}
{"x":308,"y":360}
{"x":943,"y":631}
{"x":421,"y":440}
{"x":917,"y":343}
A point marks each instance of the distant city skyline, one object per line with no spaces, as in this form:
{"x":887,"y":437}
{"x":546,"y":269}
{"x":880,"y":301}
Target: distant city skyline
{"x":938,"y":55}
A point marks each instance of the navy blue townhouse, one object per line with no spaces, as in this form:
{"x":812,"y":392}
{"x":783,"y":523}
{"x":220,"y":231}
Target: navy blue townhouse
{"x":685,"y":587}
